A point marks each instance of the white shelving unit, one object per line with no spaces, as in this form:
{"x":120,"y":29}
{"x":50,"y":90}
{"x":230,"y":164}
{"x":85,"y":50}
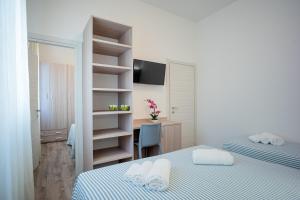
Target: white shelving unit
{"x":107,"y":79}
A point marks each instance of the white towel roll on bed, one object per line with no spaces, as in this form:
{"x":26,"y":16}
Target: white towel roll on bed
{"x":137,"y":173}
{"x":140,"y":177}
{"x":275,"y":140}
{"x":212,"y":157}
{"x":131,"y":172}
{"x":266,"y":138}
{"x":159,"y":176}
{"x":255,"y":138}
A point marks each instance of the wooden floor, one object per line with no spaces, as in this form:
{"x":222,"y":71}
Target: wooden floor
{"x":54,"y":177}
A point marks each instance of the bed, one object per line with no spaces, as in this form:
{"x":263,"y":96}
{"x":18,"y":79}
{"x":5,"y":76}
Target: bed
{"x":287,"y":154}
{"x":248,"y":178}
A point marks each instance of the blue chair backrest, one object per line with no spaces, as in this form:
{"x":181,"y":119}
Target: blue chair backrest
{"x":149,"y":135}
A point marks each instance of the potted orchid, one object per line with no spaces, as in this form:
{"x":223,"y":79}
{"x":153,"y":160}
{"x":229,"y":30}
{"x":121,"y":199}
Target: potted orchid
{"x":154,"y":111}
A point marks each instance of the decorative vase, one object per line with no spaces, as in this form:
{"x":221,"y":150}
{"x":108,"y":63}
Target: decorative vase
{"x":154,"y":120}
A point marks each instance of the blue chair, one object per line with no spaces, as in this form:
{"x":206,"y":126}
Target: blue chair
{"x":149,"y":136}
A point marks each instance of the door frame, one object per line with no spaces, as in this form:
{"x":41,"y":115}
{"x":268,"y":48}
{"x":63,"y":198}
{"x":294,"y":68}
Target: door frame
{"x":77,"y":46}
{"x":170,"y":62}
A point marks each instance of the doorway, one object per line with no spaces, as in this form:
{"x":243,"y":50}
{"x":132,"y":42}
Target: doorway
{"x":52,"y":81}
{"x":56,"y":83}
{"x":182,"y":100}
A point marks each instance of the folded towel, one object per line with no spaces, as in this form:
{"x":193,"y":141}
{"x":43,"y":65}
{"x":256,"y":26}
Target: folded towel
{"x":274,"y":139}
{"x":266,"y":138}
{"x":255,"y":138}
{"x":159,"y":175}
{"x":141,"y":173}
{"x":132,"y":172}
{"x":259,"y":138}
{"x":212,"y":157}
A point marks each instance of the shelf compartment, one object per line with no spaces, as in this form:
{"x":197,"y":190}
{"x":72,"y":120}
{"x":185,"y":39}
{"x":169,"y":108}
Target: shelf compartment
{"x":111,"y":90}
{"x":109,"y":133}
{"x":107,"y":112}
{"x":112,"y":30}
{"x":109,"y":48}
{"x":109,"y":155}
{"x":103,"y":97}
{"x":109,"y":69}
{"x":113,"y":81}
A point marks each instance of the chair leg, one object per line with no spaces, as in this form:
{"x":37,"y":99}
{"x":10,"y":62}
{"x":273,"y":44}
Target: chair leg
{"x":140,"y":152}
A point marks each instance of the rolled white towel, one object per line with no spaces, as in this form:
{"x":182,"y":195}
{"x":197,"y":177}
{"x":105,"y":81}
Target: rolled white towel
{"x":255,"y":138}
{"x":132,"y":172}
{"x":273,"y":139}
{"x":140,"y":177}
{"x":159,"y":176}
{"x":259,"y":138}
{"x":266,"y":138}
{"x":262,"y":138}
{"x":212,"y":157}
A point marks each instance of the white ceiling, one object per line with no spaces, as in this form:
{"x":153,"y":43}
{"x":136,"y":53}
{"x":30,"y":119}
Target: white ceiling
{"x":194,"y":10}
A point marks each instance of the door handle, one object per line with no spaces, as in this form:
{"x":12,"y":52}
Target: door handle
{"x":38,"y":111}
{"x":173,"y":109}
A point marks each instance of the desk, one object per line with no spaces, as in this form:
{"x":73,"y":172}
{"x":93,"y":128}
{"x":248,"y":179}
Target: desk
{"x":170,"y":133}
{"x":164,"y":122}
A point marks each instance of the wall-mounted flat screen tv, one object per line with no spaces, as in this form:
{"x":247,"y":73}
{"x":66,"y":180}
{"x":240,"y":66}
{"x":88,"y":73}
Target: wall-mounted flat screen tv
{"x":147,"y":72}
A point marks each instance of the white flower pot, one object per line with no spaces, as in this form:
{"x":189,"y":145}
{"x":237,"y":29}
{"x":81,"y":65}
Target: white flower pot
{"x":155,"y":120}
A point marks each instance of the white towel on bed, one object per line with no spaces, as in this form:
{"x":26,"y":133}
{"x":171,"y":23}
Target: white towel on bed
{"x":266,"y":138}
{"x":159,"y":176}
{"x":140,"y":177}
{"x":255,"y":138}
{"x":212,"y":157}
{"x":131,"y":172}
{"x":137,"y":173}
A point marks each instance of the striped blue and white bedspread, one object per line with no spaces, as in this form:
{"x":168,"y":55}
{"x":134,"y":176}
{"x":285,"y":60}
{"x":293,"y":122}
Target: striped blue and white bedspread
{"x":287,"y":154}
{"x":248,"y":178}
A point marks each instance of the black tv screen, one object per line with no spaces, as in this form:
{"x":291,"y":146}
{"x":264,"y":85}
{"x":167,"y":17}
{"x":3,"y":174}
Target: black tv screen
{"x":147,"y":72}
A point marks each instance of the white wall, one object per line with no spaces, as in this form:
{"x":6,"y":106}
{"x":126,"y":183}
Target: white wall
{"x":157,"y":35}
{"x":249,"y":71}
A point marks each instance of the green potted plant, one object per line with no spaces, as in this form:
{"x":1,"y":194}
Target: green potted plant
{"x":124,"y":107}
{"x":112,"y":107}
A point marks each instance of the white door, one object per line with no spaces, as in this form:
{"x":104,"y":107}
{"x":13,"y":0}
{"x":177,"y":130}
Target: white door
{"x":182,"y":100}
{"x":33,"y":67}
